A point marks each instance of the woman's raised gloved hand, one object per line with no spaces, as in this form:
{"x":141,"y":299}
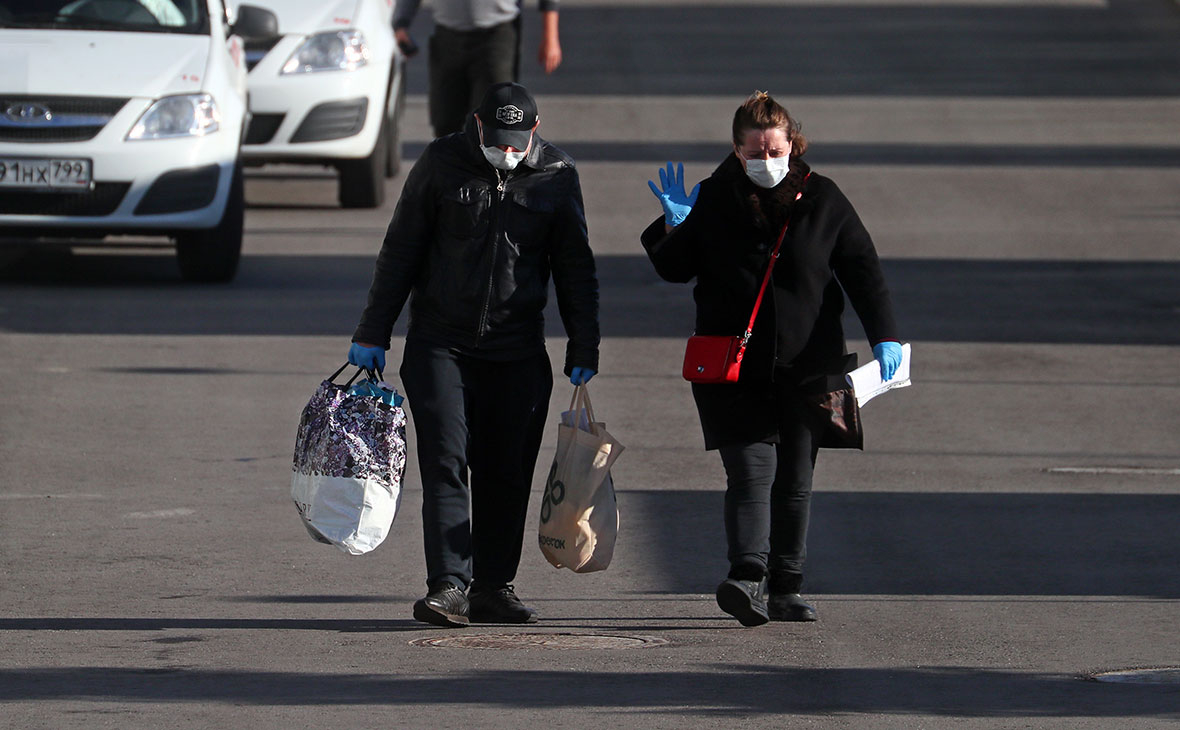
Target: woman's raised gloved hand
{"x":676,"y":203}
{"x":369,"y":357}
{"x":889,"y":355}
{"x":581,"y":376}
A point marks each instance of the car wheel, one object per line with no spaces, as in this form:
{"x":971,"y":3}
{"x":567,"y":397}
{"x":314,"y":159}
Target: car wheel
{"x":393,"y":143}
{"x":213,"y":254}
{"x":362,"y":182}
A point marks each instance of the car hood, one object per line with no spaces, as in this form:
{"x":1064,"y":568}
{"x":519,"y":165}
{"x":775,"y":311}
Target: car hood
{"x":309,"y":16}
{"x":93,"y":63}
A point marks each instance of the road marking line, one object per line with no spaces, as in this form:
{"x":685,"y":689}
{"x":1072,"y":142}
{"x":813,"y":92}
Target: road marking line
{"x":178,"y":512}
{"x":1112,"y":470}
{"x":52,"y":496}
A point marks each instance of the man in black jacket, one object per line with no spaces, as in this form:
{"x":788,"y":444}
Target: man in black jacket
{"x":485,"y":216}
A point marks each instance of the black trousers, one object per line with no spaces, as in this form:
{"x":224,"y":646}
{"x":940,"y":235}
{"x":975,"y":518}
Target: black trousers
{"x":768,"y":500}
{"x":481,"y":419}
{"x":463,"y":64}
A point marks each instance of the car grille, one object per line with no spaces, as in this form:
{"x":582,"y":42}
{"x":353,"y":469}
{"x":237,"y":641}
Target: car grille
{"x":27,"y":118}
{"x":333,"y":120}
{"x":180,"y":190}
{"x":102,"y":200}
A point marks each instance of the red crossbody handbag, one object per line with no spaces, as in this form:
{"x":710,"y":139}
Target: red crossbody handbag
{"x":718,"y":358}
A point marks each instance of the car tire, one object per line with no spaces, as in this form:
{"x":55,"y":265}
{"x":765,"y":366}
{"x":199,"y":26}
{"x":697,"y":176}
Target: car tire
{"x":393,"y":142}
{"x":362,"y":182}
{"x":212,"y":255}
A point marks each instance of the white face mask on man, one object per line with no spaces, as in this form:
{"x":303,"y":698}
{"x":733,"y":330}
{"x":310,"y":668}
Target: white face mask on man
{"x":502,"y":159}
{"x":768,"y":173}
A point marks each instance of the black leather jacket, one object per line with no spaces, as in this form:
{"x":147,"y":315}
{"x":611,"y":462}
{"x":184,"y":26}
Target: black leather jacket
{"x":476,"y":247}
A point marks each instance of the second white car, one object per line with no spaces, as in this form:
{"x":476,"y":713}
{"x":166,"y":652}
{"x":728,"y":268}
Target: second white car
{"x":326,"y":88}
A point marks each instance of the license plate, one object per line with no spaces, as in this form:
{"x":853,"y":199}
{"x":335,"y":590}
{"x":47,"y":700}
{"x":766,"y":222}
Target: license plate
{"x":31,"y":173}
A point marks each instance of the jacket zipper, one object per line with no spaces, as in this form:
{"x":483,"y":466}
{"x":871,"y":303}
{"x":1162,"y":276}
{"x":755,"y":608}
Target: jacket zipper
{"x":501,"y":180}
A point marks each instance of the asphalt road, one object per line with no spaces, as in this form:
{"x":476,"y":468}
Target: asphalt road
{"x":1008,"y":532}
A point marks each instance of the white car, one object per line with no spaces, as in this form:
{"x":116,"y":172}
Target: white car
{"x":326,"y":88}
{"x":123,"y":117}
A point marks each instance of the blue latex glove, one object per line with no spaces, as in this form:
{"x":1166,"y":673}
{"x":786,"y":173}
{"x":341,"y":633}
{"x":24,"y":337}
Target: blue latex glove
{"x":372,"y":358}
{"x":672,"y":197}
{"x":889,"y":355}
{"x":581,"y":376}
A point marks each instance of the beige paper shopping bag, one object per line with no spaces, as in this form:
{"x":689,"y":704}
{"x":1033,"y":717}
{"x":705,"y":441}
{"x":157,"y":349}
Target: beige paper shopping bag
{"x":579,"y":515}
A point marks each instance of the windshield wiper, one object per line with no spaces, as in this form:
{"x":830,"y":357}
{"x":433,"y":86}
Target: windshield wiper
{"x":29,"y":20}
{"x":54,"y":20}
{"x":98,"y":24}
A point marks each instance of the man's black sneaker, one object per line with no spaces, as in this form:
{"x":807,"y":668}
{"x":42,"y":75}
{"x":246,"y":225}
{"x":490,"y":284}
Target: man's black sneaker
{"x":744,"y":600}
{"x":499,"y":606}
{"x":789,"y":607}
{"x":444,"y":605}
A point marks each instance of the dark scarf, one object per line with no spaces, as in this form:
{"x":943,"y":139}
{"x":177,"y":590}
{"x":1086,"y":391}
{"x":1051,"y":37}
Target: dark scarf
{"x":770,"y":208}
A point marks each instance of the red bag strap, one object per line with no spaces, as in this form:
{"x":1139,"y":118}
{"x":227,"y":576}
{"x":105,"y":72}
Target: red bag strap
{"x":766,"y":279}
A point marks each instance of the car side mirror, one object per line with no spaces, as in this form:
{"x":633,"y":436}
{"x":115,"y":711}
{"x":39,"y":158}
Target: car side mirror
{"x":255,"y":23}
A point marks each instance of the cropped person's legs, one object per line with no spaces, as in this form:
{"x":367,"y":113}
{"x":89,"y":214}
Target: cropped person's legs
{"x":450,"y":87}
{"x":493,"y":60}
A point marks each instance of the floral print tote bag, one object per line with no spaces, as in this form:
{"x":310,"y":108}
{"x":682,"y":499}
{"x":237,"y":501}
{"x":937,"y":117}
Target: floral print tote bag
{"x":350,"y":459}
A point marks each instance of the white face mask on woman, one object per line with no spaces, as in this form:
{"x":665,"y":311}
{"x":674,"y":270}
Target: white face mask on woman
{"x":768,"y":173}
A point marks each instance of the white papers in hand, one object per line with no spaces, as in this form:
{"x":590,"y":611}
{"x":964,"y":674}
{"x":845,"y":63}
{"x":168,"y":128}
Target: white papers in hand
{"x":866,"y":380}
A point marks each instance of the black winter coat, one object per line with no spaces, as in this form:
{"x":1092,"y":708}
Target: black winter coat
{"x":475,"y":246}
{"x":725,"y":244}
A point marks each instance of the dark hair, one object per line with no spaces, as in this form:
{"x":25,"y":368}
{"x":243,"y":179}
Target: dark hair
{"x":760,"y":111}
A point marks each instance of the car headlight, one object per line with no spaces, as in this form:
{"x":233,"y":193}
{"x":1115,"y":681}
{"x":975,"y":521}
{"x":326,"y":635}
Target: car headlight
{"x":191,"y":115}
{"x":343,"y":50}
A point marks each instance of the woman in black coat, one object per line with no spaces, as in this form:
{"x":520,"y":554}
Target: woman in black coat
{"x":722,"y":235}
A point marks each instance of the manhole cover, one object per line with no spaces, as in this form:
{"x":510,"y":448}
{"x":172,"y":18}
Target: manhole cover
{"x":1159,"y":675}
{"x":542,"y":641}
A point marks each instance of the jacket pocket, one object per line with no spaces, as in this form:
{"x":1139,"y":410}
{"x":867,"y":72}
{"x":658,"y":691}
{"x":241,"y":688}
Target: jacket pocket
{"x":530,"y":216}
{"x":464,"y":213}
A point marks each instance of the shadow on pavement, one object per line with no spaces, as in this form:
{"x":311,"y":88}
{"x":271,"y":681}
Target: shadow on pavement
{"x":844,"y":153}
{"x":1117,"y":49}
{"x":313,"y":599}
{"x":720,"y":691}
{"x":950,"y":300}
{"x":869,"y":543}
{"x":552,"y":622}
{"x":209,"y":624}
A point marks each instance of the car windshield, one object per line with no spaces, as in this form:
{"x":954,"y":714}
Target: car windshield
{"x":160,"y":16}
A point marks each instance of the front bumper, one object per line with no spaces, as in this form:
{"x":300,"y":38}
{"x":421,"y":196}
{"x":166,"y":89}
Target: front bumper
{"x":313,"y":117}
{"x":148,"y":186}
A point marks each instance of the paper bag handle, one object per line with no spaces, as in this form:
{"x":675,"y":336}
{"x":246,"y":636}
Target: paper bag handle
{"x":580,"y":399}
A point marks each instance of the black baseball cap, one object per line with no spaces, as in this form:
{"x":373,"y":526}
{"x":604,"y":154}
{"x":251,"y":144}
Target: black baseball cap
{"x":508,"y":114}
